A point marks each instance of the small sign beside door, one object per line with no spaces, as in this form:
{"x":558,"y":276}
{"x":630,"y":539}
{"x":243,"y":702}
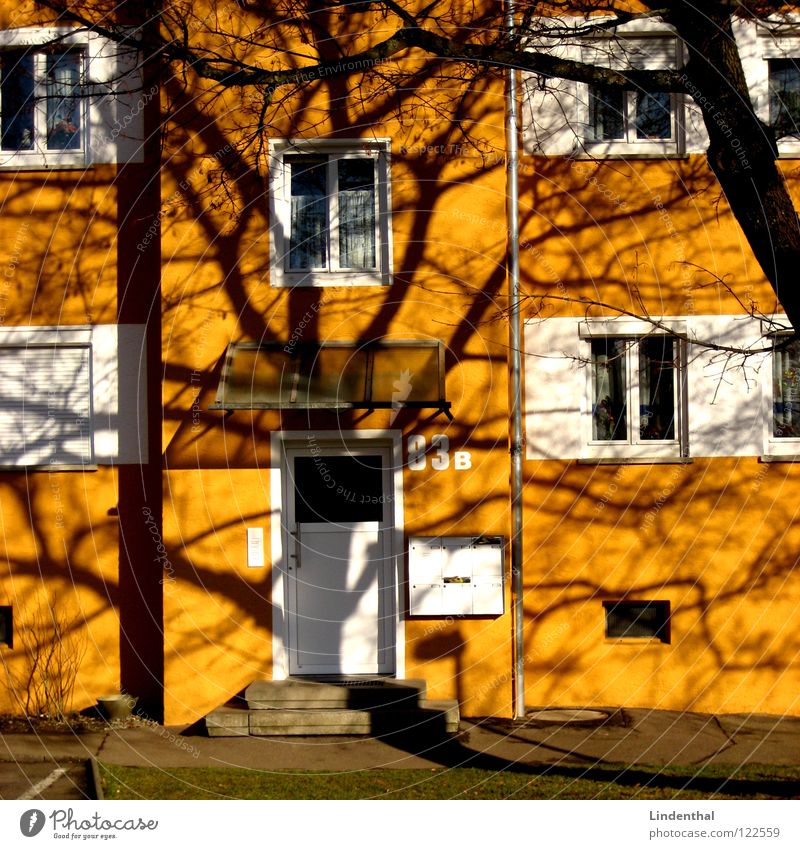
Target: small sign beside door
{"x":255,"y":548}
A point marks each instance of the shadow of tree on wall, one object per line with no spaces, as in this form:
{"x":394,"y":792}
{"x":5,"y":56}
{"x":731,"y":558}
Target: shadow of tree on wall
{"x":207,"y":280}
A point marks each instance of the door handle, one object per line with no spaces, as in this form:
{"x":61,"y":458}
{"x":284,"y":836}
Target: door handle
{"x":296,"y":555}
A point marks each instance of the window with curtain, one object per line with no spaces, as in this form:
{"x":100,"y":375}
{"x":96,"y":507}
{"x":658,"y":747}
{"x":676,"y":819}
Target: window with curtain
{"x":332,"y":225}
{"x":64,"y":101}
{"x":786,"y":392}
{"x":629,"y":116}
{"x":784,"y":96}
{"x":632,"y":120}
{"x":41,"y":100}
{"x":634,"y":390}
{"x":330,"y":212}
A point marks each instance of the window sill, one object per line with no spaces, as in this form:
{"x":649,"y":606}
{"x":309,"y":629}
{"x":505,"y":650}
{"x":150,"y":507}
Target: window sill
{"x":11,"y":167}
{"x":635,"y":641}
{"x":315,"y":279}
{"x":599,"y":155}
{"x":634,"y":461}
{"x":48,"y":467}
{"x":779,"y":458}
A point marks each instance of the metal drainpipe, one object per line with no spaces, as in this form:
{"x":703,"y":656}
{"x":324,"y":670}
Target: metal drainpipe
{"x":515,"y":377}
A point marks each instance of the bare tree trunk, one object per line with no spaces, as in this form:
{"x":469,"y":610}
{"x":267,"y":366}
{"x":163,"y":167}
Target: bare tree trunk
{"x":742,"y":150}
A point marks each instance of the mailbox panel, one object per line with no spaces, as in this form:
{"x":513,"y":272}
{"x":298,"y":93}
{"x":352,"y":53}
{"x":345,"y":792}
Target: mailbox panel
{"x":456,"y":576}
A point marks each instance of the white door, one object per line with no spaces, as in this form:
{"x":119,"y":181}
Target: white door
{"x":340,"y":575}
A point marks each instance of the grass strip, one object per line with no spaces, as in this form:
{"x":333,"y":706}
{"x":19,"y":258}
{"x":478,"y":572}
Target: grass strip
{"x":541,"y":782}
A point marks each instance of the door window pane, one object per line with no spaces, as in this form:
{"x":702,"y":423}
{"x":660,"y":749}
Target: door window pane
{"x":338,"y":489}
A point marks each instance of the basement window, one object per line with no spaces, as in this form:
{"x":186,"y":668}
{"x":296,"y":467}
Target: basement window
{"x":637,"y":620}
{"x":6,"y":627}
{"x":333,"y":376}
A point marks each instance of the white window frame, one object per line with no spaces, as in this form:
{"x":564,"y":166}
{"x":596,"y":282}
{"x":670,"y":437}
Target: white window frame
{"x":51,"y":341}
{"x":40,"y":151}
{"x":111,"y":107}
{"x":610,"y":52}
{"x":280,"y":213}
{"x":779,"y":40}
{"x":775,"y":446}
{"x":634,"y":448}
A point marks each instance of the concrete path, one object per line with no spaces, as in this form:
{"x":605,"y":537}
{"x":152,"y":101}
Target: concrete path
{"x":628,"y":737}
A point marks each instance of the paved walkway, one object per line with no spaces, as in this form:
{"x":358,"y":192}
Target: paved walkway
{"x":627,"y":737}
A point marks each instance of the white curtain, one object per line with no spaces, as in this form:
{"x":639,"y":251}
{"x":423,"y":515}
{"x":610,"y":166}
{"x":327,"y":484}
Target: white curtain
{"x":786,"y":392}
{"x":63,"y":102}
{"x":357,"y":228}
{"x":308,"y":227}
{"x":609,"y":390}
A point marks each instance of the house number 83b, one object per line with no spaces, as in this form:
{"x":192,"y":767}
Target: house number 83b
{"x":439,"y":454}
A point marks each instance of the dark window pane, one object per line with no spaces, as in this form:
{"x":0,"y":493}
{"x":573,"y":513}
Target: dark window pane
{"x":606,"y":113}
{"x":6,"y":627}
{"x":786,"y":392}
{"x":309,"y":213}
{"x":17,"y":100}
{"x":637,"y":619}
{"x":64,"y":102}
{"x":356,"y":213}
{"x":609,"y":390}
{"x":338,"y":489}
{"x":784,"y":96}
{"x":657,"y":388}
{"x":653,"y":115}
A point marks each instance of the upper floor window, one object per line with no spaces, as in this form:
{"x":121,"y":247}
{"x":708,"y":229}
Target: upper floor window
{"x":41,"y":104}
{"x":629,"y":121}
{"x":629,"y":116}
{"x":633,"y":390}
{"x":786,"y":392}
{"x":784,"y":96}
{"x":69,"y":99}
{"x":330,"y":214}
{"x":635,"y":395}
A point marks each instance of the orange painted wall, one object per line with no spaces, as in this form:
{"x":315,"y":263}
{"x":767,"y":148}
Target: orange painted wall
{"x":60,"y":541}
{"x":448,"y":284}
{"x":716,"y":538}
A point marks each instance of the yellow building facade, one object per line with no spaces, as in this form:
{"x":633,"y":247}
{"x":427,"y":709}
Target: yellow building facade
{"x":292,"y":458}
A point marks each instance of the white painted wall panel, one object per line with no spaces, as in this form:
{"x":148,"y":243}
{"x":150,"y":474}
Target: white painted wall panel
{"x":724,"y":401}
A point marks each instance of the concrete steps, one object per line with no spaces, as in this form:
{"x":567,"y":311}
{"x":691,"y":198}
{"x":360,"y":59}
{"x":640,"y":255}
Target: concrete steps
{"x":300,"y":707}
